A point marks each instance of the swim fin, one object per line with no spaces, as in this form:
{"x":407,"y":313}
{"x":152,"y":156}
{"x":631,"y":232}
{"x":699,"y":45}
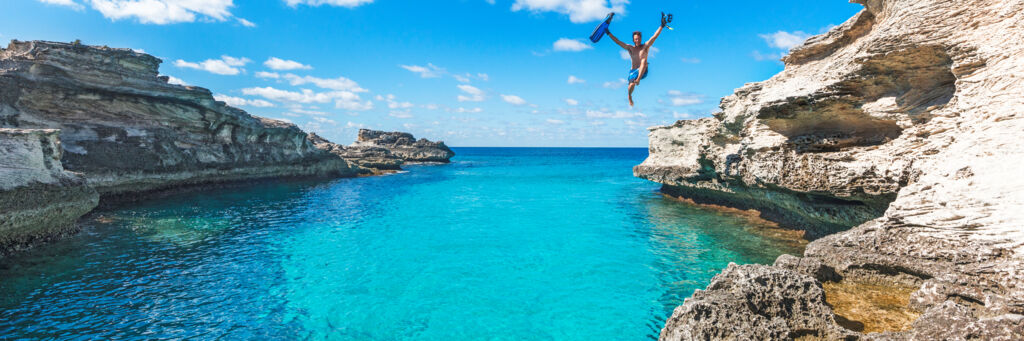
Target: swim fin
{"x":601,"y":29}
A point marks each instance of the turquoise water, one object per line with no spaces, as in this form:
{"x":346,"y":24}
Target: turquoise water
{"x":502,"y":244}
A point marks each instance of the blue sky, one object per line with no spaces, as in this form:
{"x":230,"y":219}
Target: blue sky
{"x":470,"y":72}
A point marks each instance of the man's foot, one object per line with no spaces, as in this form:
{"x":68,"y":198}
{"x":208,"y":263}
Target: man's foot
{"x":631,"y":100}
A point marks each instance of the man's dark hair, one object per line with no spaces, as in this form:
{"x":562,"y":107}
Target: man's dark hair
{"x":635,"y":33}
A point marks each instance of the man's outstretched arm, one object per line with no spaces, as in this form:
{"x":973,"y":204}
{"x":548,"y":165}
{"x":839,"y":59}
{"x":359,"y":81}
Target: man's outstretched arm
{"x":655,"y":36}
{"x":617,"y":41}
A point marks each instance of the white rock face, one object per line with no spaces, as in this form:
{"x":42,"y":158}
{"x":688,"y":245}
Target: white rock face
{"x":906,"y":122}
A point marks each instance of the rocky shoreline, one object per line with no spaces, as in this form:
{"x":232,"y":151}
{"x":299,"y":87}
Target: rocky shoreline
{"x":893,"y":140}
{"x":81,"y":125}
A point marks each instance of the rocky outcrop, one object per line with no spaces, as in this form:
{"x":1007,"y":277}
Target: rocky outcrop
{"x":129,"y":131}
{"x":894,"y":140}
{"x":40,"y":199}
{"x":403,"y":145}
{"x":120,"y":131}
{"x":374,"y":159}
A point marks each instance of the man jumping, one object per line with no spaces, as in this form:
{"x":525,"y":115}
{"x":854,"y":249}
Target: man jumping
{"x":638,"y":54}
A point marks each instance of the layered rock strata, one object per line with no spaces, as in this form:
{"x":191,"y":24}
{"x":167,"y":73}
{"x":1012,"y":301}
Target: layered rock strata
{"x":904,"y":125}
{"x":128,"y":131}
{"x":40,"y":199}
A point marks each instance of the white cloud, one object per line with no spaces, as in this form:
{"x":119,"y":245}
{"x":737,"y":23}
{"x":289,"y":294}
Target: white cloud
{"x":571,"y":101}
{"x":554,"y":121}
{"x":163,"y":12}
{"x":245,"y":23}
{"x":462,"y":79}
{"x":264,"y":74}
{"x":342,"y":99}
{"x":571,"y":45}
{"x":176,"y":81}
{"x":473,"y":94}
{"x":226,"y":65}
{"x":340,"y":83}
{"x":579,"y":11}
{"x":339,"y":3}
{"x":400,"y":115}
{"x":429,"y":71}
{"x":68,"y":3}
{"x":241,"y":102}
{"x":393,"y":104}
{"x":279,"y":64}
{"x":464,"y":110}
{"x":616,"y":114}
{"x":681,"y":115}
{"x":483,"y":76}
{"x":351,"y":124}
{"x":679,"y":98}
{"x":575,"y":80}
{"x":513,"y":99}
{"x":621,"y":82}
{"x":785,"y":40}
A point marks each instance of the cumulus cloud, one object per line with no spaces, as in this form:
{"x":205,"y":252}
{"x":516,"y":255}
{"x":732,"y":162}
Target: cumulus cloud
{"x":785,"y":40}
{"x":340,"y":83}
{"x":513,"y":99}
{"x":571,"y":101}
{"x":464,"y":110}
{"x":570,"y":45}
{"x":338,"y":3}
{"x":160,"y":12}
{"x":264,"y":74}
{"x":245,"y":23}
{"x":242,"y":102}
{"x":472,"y":94}
{"x":575,"y":80}
{"x":678,"y":98}
{"x":429,"y":71}
{"x":279,"y":64}
{"x":176,"y":81}
{"x":226,"y":65}
{"x":579,"y":11}
{"x":342,"y":99}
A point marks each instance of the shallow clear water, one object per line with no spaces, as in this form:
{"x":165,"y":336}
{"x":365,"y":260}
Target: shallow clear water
{"x":502,"y":244}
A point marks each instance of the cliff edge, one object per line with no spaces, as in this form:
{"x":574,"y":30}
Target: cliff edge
{"x":895,"y":141}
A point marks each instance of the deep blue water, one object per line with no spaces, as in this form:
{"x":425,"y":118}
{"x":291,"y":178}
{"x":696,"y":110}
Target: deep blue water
{"x":502,"y":244}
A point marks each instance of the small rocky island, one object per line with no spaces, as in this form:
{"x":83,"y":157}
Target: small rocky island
{"x":894,"y":140}
{"x":84,"y":124}
{"x":386,"y":151}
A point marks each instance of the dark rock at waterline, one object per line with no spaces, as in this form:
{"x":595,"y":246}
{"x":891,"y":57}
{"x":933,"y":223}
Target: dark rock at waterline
{"x":39,"y":199}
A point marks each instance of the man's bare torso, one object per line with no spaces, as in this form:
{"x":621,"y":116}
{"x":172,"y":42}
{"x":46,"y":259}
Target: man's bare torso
{"x":638,"y":55}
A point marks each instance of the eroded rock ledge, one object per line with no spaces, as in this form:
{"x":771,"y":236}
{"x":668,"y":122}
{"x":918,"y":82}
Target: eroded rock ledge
{"x":895,"y":141}
{"x":80,"y":124}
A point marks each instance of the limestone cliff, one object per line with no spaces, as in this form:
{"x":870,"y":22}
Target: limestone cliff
{"x":39,"y":199}
{"x":906,"y":124}
{"x":128,"y":131}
